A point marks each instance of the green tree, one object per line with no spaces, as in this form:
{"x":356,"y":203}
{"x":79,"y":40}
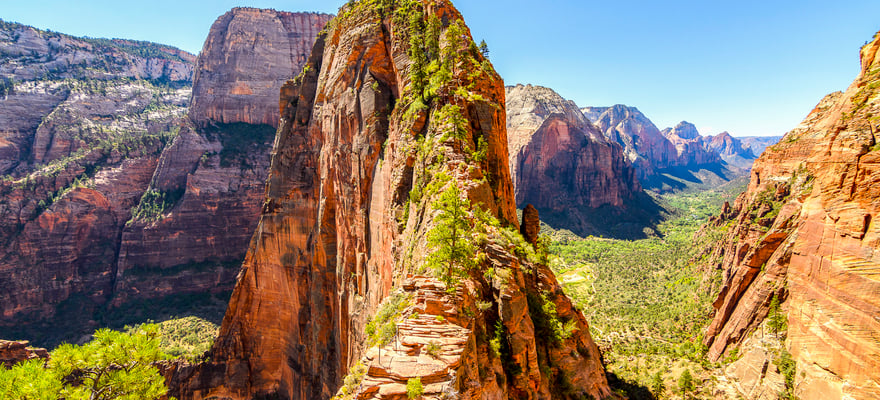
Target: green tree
{"x":414,"y":388}
{"x":29,"y":380}
{"x":484,"y":49}
{"x":657,"y":385}
{"x":114,"y":365}
{"x":686,"y":382}
{"x":776,"y":319}
{"x":451,"y":250}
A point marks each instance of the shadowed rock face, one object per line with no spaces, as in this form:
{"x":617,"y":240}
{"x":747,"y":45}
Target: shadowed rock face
{"x":248,"y":55}
{"x":355,"y":173}
{"x":558,"y":159}
{"x":71,"y":250}
{"x":645,"y":147}
{"x":805,"y":231}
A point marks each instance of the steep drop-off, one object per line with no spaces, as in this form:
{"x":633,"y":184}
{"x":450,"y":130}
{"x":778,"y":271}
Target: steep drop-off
{"x":562,"y":165}
{"x":383,"y":122}
{"x":806,"y":232}
{"x":731,"y":150}
{"x":134,"y":208}
{"x":248,"y":55}
{"x":689,"y":145}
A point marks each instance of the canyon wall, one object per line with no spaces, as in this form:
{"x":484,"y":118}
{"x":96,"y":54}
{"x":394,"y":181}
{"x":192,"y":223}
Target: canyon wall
{"x":137,"y":208}
{"x":805,"y":232}
{"x":248,"y":55}
{"x":396,"y":110}
{"x":562,"y":164}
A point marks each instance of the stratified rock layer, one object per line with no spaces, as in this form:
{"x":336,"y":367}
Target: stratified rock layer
{"x":558,"y":159}
{"x":248,"y":55}
{"x":806,"y":231}
{"x":117,"y":197}
{"x":13,"y":352}
{"x":356,"y":169}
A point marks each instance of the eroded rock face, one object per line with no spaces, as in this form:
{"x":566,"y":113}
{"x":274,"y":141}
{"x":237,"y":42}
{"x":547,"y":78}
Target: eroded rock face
{"x":645,"y":147}
{"x":805,"y":232}
{"x":356,"y":169}
{"x":689,"y":145}
{"x":248,"y":55}
{"x":731,"y":149}
{"x":558,"y":159}
{"x":14,"y":352}
{"x":137,"y":201}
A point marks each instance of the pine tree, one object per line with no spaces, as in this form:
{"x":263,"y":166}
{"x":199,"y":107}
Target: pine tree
{"x":776,"y":319}
{"x":484,"y":49}
{"x":686,"y":382}
{"x":657,"y":385}
{"x":451,"y":251}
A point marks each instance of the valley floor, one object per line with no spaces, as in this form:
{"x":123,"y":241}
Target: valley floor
{"x":648,"y":300}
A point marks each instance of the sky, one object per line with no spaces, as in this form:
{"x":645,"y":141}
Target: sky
{"x":752,"y":68}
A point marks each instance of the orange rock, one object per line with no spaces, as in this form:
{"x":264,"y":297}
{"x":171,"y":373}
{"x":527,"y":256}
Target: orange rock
{"x":342,"y":227}
{"x":819,"y":252}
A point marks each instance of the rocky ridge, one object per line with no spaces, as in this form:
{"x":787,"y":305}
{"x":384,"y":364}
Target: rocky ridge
{"x":731,"y":149}
{"x":125,"y":196}
{"x":689,"y":145}
{"x":363,"y":153}
{"x":805,"y":233}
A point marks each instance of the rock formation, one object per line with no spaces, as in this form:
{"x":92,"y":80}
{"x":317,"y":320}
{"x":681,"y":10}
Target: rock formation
{"x":395,"y":109}
{"x":757,"y":144}
{"x":12,"y":353}
{"x":558,"y":159}
{"x":645,"y":147}
{"x":689,"y":145}
{"x":805,"y":232}
{"x":561,"y":163}
{"x":730,"y":149}
{"x":132,"y":206}
{"x":248,"y":55}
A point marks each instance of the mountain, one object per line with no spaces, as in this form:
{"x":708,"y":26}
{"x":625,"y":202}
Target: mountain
{"x":126,"y":205}
{"x":731,"y":149}
{"x":645,"y":147}
{"x":757,"y":144}
{"x":393,"y":136}
{"x":664,"y":160}
{"x":689,"y":145}
{"x":804,"y":233}
{"x":247,"y":56}
{"x":561,"y":164}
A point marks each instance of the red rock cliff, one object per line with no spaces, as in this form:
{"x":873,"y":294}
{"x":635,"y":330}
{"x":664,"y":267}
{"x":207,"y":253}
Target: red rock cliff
{"x":362,"y":151}
{"x":248,"y":55}
{"x":806,"y":231}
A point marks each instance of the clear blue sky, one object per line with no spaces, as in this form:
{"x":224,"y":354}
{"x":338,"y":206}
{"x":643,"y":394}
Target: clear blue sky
{"x":748,"y":67}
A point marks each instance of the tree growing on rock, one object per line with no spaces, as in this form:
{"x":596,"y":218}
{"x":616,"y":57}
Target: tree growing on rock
{"x":451,"y":250}
{"x":776,"y":319}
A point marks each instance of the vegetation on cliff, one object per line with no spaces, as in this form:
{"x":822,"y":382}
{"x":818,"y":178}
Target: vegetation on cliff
{"x":114,"y":365}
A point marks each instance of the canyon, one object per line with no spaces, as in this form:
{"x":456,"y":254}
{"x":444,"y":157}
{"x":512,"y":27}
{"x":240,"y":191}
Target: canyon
{"x":367,"y":160}
{"x":804,"y":233}
{"x":118,"y":194}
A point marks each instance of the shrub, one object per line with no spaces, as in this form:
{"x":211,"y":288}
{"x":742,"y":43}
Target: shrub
{"x":414,"y":388}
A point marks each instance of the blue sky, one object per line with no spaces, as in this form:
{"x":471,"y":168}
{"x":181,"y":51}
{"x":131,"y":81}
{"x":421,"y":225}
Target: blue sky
{"x":748,"y":67}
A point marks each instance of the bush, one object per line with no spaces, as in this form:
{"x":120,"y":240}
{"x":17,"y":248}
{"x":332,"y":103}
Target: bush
{"x":414,"y":388}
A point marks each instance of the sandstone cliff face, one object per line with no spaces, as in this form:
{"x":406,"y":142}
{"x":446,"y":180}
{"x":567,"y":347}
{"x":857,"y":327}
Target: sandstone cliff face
{"x":689,"y":145}
{"x":558,"y":159}
{"x":560,"y":162}
{"x":357,"y":166}
{"x":645,"y":147}
{"x":248,"y":55}
{"x":116,"y":195}
{"x":731,"y":149}
{"x":805,"y":231}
